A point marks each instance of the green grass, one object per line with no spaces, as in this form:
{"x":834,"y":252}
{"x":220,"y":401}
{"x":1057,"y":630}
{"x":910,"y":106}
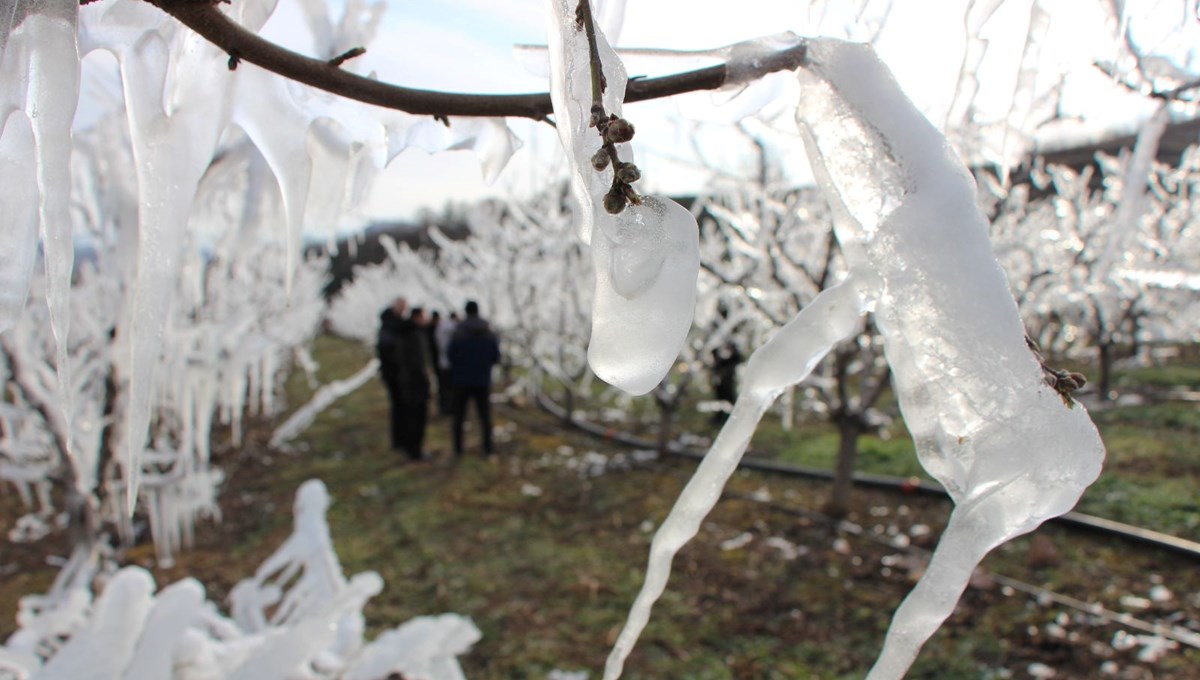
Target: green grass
{"x":549,"y":578}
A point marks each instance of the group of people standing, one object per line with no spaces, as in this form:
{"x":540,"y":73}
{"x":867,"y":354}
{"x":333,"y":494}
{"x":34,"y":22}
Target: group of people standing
{"x":457,"y":354}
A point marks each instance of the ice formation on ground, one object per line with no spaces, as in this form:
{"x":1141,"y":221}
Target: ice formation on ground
{"x":646,"y":258}
{"x":298,"y":617}
{"x":304,"y":416}
{"x":1008,"y":450}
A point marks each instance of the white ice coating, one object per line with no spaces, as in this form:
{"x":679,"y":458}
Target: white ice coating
{"x":132,"y":634}
{"x":1134,"y":197}
{"x":646,"y":259}
{"x":304,"y":416}
{"x":424,"y":647}
{"x":182,"y":105}
{"x":103,"y":648}
{"x":1004,"y":445}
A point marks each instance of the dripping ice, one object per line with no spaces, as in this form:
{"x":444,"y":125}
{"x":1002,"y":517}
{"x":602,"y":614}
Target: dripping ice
{"x":646,"y":259}
{"x":970,"y":390}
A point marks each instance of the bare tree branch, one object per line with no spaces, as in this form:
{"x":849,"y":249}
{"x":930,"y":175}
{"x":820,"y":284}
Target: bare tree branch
{"x":207,"y":20}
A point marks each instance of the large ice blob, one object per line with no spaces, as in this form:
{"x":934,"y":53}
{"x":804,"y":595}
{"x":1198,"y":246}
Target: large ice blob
{"x":1008,"y":450}
{"x":647,"y":257}
{"x":646,"y":263}
{"x":985,"y":424}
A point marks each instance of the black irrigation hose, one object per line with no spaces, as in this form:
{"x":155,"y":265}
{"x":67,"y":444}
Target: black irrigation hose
{"x":1177,"y":633}
{"x":1075,"y":520}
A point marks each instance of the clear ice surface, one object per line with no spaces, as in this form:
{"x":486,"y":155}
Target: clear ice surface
{"x":645,"y":271}
{"x":1008,"y":450}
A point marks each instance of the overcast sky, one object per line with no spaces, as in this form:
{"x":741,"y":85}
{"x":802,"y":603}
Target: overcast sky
{"x":467,"y":45}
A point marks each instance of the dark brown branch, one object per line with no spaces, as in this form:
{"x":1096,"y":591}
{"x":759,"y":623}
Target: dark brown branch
{"x":208,"y":21}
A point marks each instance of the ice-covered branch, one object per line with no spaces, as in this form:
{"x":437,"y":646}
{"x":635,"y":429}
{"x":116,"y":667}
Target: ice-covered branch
{"x":208,"y":20}
{"x":302,"y":418}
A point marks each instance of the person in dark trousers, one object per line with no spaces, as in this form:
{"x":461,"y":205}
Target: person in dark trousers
{"x":404,"y":367}
{"x":473,"y":350}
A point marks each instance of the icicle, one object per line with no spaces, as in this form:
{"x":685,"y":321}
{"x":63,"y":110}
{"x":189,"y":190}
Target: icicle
{"x":41,"y":37}
{"x":645,"y":276}
{"x":18,"y":219}
{"x":176,"y":102}
{"x":1016,"y":142}
{"x":785,"y":360}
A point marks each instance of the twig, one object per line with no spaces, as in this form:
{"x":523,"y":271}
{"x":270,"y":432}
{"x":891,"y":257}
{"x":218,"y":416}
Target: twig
{"x":347,"y":56}
{"x":208,"y":21}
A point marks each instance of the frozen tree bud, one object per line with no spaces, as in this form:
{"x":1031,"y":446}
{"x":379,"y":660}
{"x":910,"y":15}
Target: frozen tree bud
{"x":597,"y":115}
{"x":600,"y":159}
{"x":619,"y":131}
{"x":614,"y":202}
{"x":628,"y":173}
{"x":630,"y":194}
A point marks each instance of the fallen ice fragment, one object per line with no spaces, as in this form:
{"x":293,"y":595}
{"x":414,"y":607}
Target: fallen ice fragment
{"x":787,"y":550}
{"x":737,"y":542}
{"x":1161,"y":593}
{"x":1134,"y":602}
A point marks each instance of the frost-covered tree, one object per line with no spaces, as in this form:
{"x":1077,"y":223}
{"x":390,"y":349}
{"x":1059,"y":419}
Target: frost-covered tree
{"x":227,"y":344}
{"x":1075,"y":299}
{"x":774,"y":250}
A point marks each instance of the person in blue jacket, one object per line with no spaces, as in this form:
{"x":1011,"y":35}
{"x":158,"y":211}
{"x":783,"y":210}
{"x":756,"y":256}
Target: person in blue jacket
{"x":473,"y":351}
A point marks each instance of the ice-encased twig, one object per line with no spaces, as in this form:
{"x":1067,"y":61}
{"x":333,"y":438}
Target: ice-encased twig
{"x":986,"y":426}
{"x":304,"y":416}
{"x":646,"y":258}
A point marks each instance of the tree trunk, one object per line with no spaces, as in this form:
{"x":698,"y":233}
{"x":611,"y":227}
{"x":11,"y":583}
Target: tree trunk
{"x":1105,"y":359}
{"x":849,"y":430}
{"x":568,"y":404}
{"x":666,"y":418}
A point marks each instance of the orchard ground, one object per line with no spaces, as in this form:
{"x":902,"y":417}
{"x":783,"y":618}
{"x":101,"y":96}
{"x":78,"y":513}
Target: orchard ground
{"x":545,"y":546}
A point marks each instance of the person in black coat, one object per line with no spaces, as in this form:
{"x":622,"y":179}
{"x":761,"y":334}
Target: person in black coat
{"x":473,"y":351}
{"x":404,"y":366}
